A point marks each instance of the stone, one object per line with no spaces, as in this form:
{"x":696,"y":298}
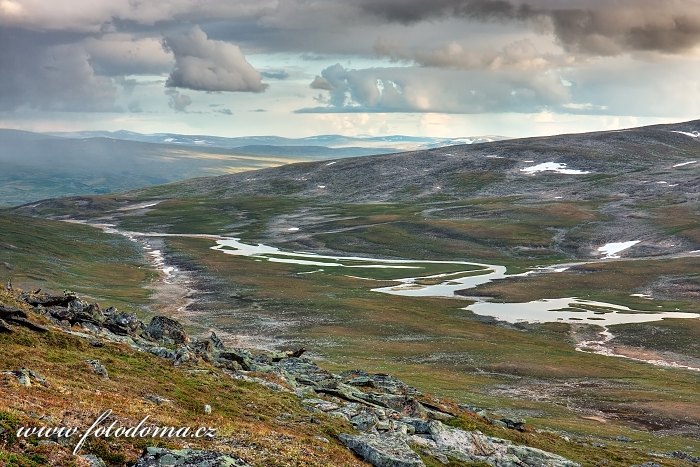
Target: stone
{"x":320,"y":404}
{"x":23,"y":377}
{"x":4,"y":327}
{"x":15,"y":316}
{"x":93,"y":461}
{"x":382,"y":451}
{"x":207,"y":409}
{"x":124,"y":324}
{"x":182,"y":355}
{"x":98,"y":368}
{"x":241,"y":357}
{"x":364,"y":421}
{"x":167,"y":329}
{"x":160,"y":457}
{"x":79,"y":311}
{"x":419,"y":425}
{"x":156,"y":399}
{"x":218,"y":344}
{"x":47,"y":300}
{"x":537,"y":457}
{"x":162,"y":352}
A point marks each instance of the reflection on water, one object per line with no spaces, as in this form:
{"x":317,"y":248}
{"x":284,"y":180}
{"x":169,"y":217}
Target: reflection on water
{"x":571,"y":310}
{"x":445,"y":285}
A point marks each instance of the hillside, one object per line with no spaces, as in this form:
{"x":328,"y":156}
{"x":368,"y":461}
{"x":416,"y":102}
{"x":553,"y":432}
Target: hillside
{"x":39,"y":166}
{"x":318,"y":254}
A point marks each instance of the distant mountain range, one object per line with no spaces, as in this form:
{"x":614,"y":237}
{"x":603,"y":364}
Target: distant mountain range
{"x":378,"y":144}
{"x":38,"y":166}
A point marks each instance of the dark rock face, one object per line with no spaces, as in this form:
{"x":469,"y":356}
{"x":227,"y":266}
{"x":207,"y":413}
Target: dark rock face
{"x":164,"y":328}
{"x":47,"y":300}
{"x":159,"y":457}
{"x":14,"y":316}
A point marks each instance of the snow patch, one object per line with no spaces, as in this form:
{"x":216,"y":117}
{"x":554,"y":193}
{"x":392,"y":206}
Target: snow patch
{"x":331,"y":163}
{"x":685,"y":163}
{"x":692,"y":134}
{"x":557,"y":167}
{"x":610,"y":250}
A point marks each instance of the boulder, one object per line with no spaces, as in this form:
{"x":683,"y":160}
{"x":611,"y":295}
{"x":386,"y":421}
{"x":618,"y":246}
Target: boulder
{"x":46,"y":300}
{"x":167,"y":329}
{"x":382,"y":451}
{"x":124,"y":324}
{"x":98,"y":368}
{"x":158,"y":457}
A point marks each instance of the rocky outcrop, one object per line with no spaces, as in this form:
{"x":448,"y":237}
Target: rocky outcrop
{"x":159,"y":457}
{"x":394,"y":422}
{"x":10,"y":316}
{"x":382,"y":451}
{"x":167,"y":329}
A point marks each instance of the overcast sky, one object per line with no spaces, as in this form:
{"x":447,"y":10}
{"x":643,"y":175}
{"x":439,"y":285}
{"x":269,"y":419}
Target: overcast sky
{"x":305,"y":67}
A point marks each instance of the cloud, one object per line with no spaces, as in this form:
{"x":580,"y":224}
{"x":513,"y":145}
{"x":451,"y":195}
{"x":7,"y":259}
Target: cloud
{"x":178,"y":102}
{"x":50,"y":77}
{"x":413,"y":89}
{"x":275,"y":74}
{"x":125,"y":54}
{"x":520,"y":55}
{"x":583,"y":26}
{"x":204,"y":64}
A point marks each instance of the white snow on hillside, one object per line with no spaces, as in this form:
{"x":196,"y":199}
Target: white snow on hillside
{"x":611,"y":249}
{"x":557,"y":167}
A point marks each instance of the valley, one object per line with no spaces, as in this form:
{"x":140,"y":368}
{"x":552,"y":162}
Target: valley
{"x":456,"y":269}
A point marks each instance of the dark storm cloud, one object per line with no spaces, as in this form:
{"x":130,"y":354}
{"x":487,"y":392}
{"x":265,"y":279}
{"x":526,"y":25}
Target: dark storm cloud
{"x":591,"y":27}
{"x":46,"y":72}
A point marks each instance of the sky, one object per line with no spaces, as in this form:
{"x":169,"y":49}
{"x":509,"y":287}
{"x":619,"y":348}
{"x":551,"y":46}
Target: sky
{"x":442,"y":68}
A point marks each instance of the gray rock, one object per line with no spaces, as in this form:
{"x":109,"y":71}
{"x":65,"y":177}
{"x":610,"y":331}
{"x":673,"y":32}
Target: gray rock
{"x":218,"y":344}
{"x":98,"y":368}
{"x":93,"y":461}
{"x":124,"y":324}
{"x":182,"y":355}
{"x":235,"y":359}
{"x":167,"y":329}
{"x":382,"y":451}
{"x":162,"y":352}
{"x":161,"y":457}
{"x":23,"y":377}
{"x":474,"y":446}
{"x":364,"y":421}
{"x":419,"y":425}
{"x":207,"y":409}
{"x":320,"y":404}
{"x":156,"y":399}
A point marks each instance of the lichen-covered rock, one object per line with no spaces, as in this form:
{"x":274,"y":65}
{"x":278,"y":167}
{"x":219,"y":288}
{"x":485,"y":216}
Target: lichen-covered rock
{"x":382,"y":451}
{"x":125,"y":324}
{"x":98,"y":368}
{"x":160,"y":457}
{"x":167,"y":329}
{"x":474,"y":446}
